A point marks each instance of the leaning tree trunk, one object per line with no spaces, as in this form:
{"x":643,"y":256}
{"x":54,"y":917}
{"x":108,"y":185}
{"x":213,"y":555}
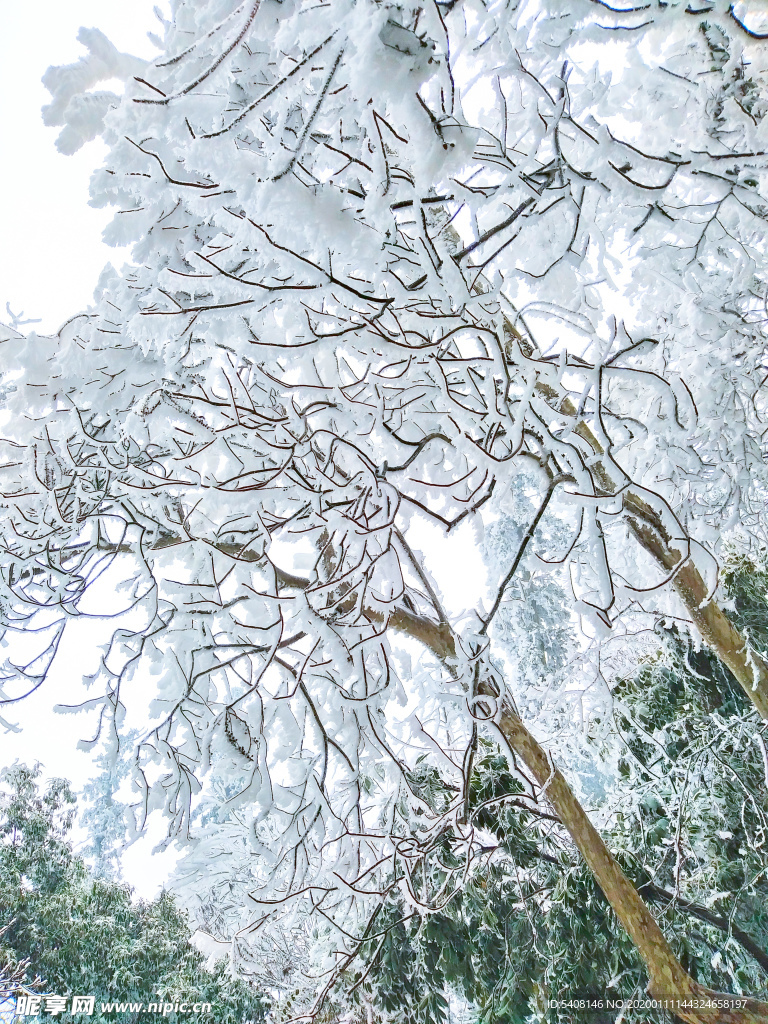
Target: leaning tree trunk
{"x":716,"y":629}
{"x":668,"y":981}
{"x":718,"y":632}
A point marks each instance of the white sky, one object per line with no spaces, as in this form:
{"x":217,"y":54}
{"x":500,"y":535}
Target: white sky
{"x":50,"y":259}
{"x":52,"y":252}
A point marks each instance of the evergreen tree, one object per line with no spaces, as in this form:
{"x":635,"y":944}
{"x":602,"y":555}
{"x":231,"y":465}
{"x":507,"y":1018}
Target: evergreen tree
{"x":87,"y":935}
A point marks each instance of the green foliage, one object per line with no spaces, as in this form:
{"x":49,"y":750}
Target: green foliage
{"x":86,"y":935}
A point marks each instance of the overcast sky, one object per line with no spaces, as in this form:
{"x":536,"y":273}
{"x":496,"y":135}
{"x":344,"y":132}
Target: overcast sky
{"x":52,"y":252}
{"x":50,"y":259}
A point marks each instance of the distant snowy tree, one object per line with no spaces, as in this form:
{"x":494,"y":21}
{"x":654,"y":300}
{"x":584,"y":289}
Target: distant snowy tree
{"x":104,"y":814}
{"x":391,"y":261}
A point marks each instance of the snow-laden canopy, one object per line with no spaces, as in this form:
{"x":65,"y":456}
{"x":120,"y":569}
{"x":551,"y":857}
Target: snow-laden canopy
{"x":396,"y":267}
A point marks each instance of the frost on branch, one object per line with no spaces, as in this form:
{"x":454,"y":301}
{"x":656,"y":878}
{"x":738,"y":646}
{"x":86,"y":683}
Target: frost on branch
{"x":388,"y":260}
{"x":75,"y":106}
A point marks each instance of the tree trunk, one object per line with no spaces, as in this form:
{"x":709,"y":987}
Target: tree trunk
{"x":668,"y":981}
{"x":718,"y":632}
{"x":716,"y":629}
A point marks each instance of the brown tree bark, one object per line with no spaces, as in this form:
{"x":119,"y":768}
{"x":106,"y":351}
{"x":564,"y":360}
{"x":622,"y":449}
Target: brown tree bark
{"x":716,"y":629}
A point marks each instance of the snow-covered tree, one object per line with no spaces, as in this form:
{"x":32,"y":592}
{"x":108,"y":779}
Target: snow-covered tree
{"x":400,"y":270}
